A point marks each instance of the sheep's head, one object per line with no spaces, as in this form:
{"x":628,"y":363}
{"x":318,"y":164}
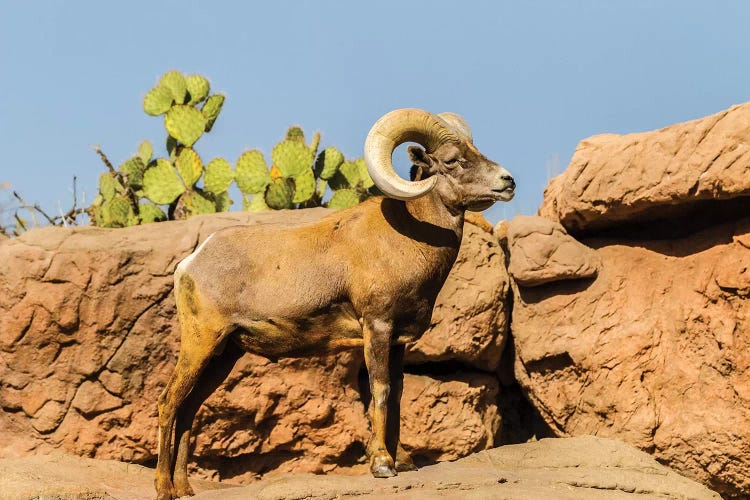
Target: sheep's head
{"x":448,"y":162}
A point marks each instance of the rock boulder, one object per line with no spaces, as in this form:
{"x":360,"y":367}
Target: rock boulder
{"x":676,"y":171}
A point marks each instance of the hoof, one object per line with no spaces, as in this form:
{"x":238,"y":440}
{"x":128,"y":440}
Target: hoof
{"x":405,"y":466}
{"x":183,"y":489}
{"x":166,"y":494}
{"x":382,"y":466}
{"x":404,"y":463}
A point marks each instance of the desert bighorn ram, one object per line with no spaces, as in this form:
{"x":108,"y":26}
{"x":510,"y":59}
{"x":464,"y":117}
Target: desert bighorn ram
{"x":364,"y":277}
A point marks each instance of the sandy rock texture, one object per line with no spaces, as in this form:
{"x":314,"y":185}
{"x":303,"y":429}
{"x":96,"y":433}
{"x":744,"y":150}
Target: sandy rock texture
{"x":679,"y":169}
{"x":470,"y":319}
{"x":574,"y":468}
{"x":541,"y":251}
{"x":88,"y":338}
{"x":654,"y":349}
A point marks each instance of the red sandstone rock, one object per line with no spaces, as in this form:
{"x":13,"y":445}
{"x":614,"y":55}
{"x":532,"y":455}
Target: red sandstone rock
{"x":655,"y":351}
{"x":470,"y":319}
{"x":614,"y":178}
{"x":541,"y":252}
{"x":88,"y":339}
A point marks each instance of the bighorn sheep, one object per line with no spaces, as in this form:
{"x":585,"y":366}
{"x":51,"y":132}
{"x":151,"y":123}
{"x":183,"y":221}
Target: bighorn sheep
{"x":364,"y":277}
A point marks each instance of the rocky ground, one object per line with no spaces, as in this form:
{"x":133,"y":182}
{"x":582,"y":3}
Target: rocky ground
{"x":569,"y":468}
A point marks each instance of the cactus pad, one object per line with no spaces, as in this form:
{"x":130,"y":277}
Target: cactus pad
{"x":198,"y":203}
{"x":328,"y":163}
{"x":161,"y":183}
{"x":133,"y":168}
{"x":252,"y":175}
{"x":148,"y":212}
{"x":223,"y":202}
{"x":189,"y":166}
{"x":295,"y":133}
{"x":116,"y":212}
{"x":304,"y":186}
{"x":314,"y":143}
{"x":157,"y":101}
{"x":197,"y":87}
{"x":218,"y":176}
{"x":256,"y":203}
{"x":185,"y":123}
{"x":175,"y":82}
{"x":352,"y":174}
{"x":211,"y":109}
{"x":292,"y":157}
{"x":145,"y":152}
{"x":343,"y":198}
{"x":107,"y":186}
{"x":279,"y":193}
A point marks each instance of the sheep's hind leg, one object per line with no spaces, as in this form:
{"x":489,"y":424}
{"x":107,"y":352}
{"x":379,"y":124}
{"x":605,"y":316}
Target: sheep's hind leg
{"x":213,"y":376}
{"x":184,"y":376}
{"x":403,"y":460}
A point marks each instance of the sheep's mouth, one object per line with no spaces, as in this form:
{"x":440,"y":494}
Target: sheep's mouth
{"x":505,"y":194}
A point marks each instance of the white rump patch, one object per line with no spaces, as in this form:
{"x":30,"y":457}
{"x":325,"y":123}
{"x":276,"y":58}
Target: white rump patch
{"x":184,"y":263}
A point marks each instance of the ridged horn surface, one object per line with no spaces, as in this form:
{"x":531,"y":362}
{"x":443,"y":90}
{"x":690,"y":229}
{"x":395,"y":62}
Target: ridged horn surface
{"x":392,"y":130}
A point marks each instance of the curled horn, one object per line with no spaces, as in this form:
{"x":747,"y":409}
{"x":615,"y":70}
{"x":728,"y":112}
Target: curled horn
{"x":458,"y":125}
{"x":396,"y":128}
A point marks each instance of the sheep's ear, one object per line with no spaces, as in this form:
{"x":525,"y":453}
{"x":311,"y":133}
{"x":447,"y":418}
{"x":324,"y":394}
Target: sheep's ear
{"x":420,"y":158}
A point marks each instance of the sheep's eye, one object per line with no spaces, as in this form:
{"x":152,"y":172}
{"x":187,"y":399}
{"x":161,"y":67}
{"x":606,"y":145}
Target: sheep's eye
{"x":452,"y":162}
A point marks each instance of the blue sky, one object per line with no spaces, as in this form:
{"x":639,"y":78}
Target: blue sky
{"x":532,"y":78}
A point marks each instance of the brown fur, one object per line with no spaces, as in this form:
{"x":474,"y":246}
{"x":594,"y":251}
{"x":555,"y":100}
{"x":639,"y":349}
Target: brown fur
{"x":363,"y":277}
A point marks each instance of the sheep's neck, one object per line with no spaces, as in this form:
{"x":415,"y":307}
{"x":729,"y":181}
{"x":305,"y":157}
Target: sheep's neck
{"x":443,"y":228}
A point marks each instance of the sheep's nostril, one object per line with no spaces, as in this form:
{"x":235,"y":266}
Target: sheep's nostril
{"x":510,"y":181}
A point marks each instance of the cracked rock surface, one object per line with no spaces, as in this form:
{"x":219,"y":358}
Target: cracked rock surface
{"x":570,"y":469}
{"x":615,"y":178}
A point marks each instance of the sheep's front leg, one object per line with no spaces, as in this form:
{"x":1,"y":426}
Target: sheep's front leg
{"x":393,"y":421}
{"x":377,"y":337}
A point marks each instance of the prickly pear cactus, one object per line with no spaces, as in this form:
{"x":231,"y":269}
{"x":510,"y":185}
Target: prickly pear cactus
{"x":133,"y":169}
{"x":252,"y":174}
{"x":145,"y":152}
{"x":255,"y":203}
{"x":161,"y":183}
{"x":304,"y":186}
{"x":297,"y":176}
{"x":292,"y":157}
{"x":108,"y":186}
{"x":295,"y":133}
{"x":280,"y":193}
{"x":175,"y":82}
{"x":218,"y":177}
{"x":211,"y":109}
{"x":197,"y":88}
{"x":185,"y":123}
{"x":328,"y":162}
{"x":189,"y":166}
{"x":343,"y":198}
{"x":148,"y":212}
{"x":157,"y":101}
{"x":352,"y":174}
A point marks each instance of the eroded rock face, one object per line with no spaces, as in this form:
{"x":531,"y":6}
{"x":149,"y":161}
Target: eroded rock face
{"x":612,"y":178}
{"x":541,"y":251}
{"x":470,"y":319}
{"x":88,"y":338}
{"x":654,"y":351}
{"x":434,"y":408}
